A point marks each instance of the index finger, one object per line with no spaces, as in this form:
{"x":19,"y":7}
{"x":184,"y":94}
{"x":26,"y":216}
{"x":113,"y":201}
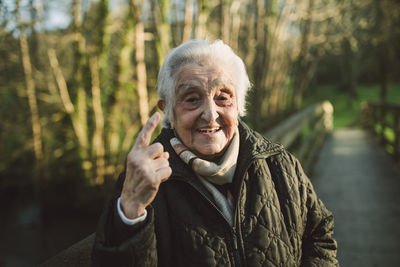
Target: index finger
{"x":143,"y":139}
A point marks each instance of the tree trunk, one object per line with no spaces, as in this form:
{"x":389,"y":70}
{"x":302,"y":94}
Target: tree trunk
{"x":259,"y":65}
{"x":235,"y":27}
{"x":141,"y":65}
{"x":250,"y":24}
{"x":385,"y":54}
{"x":31,"y":90}
{"x":80,"y":116}
{"x":66,"y":100}
{"x":348,"y":83}
{"x":225,"y":21}
{"x":277,"y":60}
{"x":124,"y":80}
{"x":98,"y":136}
{"x":383,"y":61}
{"x":188,"y":21}
{"x":204,"y":8}
{"x":163,"y":29}
{"x":303,"y":58}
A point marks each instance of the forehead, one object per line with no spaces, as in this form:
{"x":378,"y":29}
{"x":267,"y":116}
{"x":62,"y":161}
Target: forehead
{"x":206,"y":77}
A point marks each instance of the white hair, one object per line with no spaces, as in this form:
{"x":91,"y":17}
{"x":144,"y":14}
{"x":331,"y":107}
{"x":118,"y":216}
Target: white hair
{"x":200,"y":51}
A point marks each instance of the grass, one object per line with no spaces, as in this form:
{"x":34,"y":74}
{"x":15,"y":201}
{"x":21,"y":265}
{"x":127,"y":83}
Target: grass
{"x":347,"y":109}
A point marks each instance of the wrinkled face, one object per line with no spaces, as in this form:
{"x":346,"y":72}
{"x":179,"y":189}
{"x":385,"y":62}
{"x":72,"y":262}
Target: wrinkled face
{"x":205,"y":111}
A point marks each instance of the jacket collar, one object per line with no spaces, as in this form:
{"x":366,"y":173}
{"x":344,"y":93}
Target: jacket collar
{"x":254,"y":145}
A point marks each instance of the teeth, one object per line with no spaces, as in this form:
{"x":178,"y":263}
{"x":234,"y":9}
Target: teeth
{"x":209,"y":130}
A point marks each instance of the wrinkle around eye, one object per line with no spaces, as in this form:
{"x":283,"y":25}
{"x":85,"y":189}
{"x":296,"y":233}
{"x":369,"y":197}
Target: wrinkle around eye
{"x":224,"y":103}
{"x":224,"y":99}
{"x":191,"y":103}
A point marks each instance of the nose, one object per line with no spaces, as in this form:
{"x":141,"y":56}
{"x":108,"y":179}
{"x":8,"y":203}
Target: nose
{"x":209,"y":113}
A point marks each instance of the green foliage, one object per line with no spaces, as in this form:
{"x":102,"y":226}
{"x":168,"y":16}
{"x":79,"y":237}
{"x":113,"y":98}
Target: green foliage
{"x":281,"y":55}
{"x":388,"y":135}
{"x":347,"y":108}
{"x":271,"y":37}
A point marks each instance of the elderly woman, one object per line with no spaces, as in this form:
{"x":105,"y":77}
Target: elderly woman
{"x":209,"y":191}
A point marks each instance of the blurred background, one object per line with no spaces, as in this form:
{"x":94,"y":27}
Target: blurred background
{"x":78,"y":80}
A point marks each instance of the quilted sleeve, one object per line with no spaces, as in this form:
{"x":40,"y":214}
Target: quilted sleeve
{"x":319,"y":247}
{"x":117,"y":244}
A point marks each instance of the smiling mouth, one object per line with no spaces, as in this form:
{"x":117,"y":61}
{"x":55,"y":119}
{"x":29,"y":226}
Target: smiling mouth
{"x":209,"y":130}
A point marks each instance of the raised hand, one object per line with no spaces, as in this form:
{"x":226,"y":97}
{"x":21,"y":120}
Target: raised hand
{"x":147,"y":167}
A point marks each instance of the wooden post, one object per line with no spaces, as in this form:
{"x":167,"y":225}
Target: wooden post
{"x":396,"y":131}
{"x":375,"y":118}
{"x":382,"y":113}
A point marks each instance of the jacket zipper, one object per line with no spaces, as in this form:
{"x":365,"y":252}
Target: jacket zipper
{"x":236,"y":212}
{"x":235,"y":218}
{"x":235,"y":232}
{"x":238,"y":260}
{"x":232,"y":228}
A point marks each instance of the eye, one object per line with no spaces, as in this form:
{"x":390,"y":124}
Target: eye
{"x":192,"y":99}
{"x":224,"y":98}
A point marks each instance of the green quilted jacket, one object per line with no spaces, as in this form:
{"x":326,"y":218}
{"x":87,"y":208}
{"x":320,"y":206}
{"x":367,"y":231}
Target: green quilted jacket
{"x":278,"y":219}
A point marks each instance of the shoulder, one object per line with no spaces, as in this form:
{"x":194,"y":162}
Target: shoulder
{"x":288,"y":164}
{"x":254,"y":143}
{"x":285,"y":168}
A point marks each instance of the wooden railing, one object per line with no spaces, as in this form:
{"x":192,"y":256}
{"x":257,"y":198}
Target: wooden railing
{"x":304,"y":132}
{"x":383,"y":120}
{"x":78,"y":254}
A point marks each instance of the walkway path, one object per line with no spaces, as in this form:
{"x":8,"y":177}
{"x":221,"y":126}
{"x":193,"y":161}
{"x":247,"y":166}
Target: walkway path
{"x":360,"y":184}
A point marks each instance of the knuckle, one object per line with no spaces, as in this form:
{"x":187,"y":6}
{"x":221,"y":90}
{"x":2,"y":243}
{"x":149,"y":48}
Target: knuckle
{"x":154,"y":183}
{"x":134,"y":162}
{"x":142,"y":170}
{"x":141,"y":137}
{"x":166,"y":174}
{"x":150,"y":125}
{"x":169,"y":171}
{"x":164,"y":162}
{"x":146,"y":130}
{"x":159,"y":146}
{"x":148,"y":172}
{"x":156,"y":148}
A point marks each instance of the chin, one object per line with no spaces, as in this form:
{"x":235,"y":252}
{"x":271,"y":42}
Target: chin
{"x":209,"y":152}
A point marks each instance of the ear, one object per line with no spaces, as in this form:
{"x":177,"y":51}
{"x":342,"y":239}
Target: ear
{"x":161,"y":104}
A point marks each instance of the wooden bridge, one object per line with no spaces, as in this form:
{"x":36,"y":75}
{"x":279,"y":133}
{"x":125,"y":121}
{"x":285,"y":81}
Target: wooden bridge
{"x":355,"y":178}
{"x":360,"y":184}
